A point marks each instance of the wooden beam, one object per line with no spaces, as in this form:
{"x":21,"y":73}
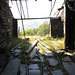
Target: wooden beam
{"x":31,"y":46}
{"x":32,"y":18}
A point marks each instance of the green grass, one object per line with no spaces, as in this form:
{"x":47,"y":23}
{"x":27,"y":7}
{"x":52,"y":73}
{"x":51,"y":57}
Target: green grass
{"x":48,"y":37}
{"x":55,"y":43}
{"x":42,"y":49}
{"x":15,"y":42}
{"x":60,"y":45}
{"x":25,"y":45}
{"x":50,"y":44}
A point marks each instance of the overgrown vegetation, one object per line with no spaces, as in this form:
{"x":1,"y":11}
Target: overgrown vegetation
{"x":23,"y":47}
{"x":42,"y":49}
{"x":41,"y":30}
{"x":33,"y":38}
{"x":54,"y":43}
{"x":15,"y":41}
{"x":25,"y":43}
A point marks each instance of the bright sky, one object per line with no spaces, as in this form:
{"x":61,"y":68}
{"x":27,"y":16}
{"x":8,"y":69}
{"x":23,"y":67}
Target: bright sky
{"x":36,"y":9}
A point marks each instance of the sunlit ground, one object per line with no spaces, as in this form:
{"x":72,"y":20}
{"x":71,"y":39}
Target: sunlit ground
{"x":54,"y":44}
{"x":31,"y":38}
{"x":57,"y":43}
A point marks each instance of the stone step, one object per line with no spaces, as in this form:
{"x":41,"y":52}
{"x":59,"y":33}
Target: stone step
{"x":12,"y":67}
{"x":34,"y":72}
{"x":52,"y":61}
{"x":34,"y":67}
{"x":22,"y":69}
{"x":49,"y":53}
{"x":36,"y":60}
{"x":17,"y":51}
{"x":57,"y":72}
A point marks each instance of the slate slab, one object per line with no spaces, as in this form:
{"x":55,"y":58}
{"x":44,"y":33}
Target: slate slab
{"x":36,"y":60}
{"x":34,"y":72}
{"x":17,"y":51}
{"x":57,"y":72}
{"x":45,"y":73}
{"x":22,"y":69}
{"x":34,"y":66}
{"x":67,"y":58}
{"x":70,"y":67}
{"x":49,"y":54}
{"x":12,"y":67}
{"x":52,"y":61}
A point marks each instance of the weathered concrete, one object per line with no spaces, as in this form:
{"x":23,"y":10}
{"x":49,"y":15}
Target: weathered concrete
{"x":70,"y":67}
{"x":57,"y":72}
{"x":12,"y":67}
{"x":52,"y":61}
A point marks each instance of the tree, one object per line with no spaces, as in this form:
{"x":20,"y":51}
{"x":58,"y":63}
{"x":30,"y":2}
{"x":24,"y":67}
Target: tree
{"x":42,"y":30}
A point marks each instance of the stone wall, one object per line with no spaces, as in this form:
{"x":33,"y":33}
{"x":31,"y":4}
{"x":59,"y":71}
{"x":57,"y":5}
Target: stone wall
{"x":56,"y":27}
{"x":5,"y":25}
{"x":6,"y":30}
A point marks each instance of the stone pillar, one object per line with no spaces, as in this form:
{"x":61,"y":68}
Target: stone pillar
{"x":69,"y":28}
{"x":15,"y":28}
{"x":56,"y":27}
